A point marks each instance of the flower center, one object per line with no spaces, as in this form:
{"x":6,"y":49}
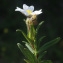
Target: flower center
{"x":29,"y":11}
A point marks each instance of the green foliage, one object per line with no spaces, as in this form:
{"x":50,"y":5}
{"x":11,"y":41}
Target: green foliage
{"x":42,"y":55}
{"x":31,"y":33}
{"x":29,"y":47}
{"x":40,"y":40}
{"x":49,"y":44}
{"x":39,"y":26}
{"x":37,"y":29}
{"x":28,"y":39}
{"x":46,"y":61}
{"x":32,"y":50}
{"x":26,"y":53}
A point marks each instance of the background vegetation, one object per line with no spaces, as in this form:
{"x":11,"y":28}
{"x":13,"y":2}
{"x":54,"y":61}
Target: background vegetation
{"x":11,"y":20}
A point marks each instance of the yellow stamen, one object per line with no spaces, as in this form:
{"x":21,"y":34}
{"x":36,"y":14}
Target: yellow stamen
{"x":29,"y":11}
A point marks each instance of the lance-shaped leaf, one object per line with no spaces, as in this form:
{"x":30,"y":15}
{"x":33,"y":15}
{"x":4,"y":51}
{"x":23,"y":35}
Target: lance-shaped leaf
{"x":27,"y":61}
{"x":28,"y":39}
{"x":46,"y":61}
{"x":48,"y":44}
{"x":26,"y":53}
{"x":42,"y":55}
{"x":40,"y":40}
{"x":29,"y":47}
{"x":39,"y":26}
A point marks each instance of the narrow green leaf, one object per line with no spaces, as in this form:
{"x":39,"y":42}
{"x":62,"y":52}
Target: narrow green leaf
{"x":48,"y":44}
{"x":26,"y":53}
{"x":29,"y":47}
{"x":42,"y":55}
{"x":27,"y":61}
{"x":40,"y":40}
{"x":46,"y":61}
{"x":39,"y":26}
{"x":24,"y":35}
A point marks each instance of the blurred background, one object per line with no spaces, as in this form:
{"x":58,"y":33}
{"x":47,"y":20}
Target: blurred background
{"x":11,"y":20}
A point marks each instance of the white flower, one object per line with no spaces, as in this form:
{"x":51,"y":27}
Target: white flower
{"x":28,"y":10}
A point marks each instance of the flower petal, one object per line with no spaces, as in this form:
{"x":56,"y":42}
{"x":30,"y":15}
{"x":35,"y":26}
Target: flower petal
{"x":25,"y":7}
{"x":25,"y":13}
{"x":31,"y":8}
{"x":19,"y":9}
{"x":37,"y":12}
